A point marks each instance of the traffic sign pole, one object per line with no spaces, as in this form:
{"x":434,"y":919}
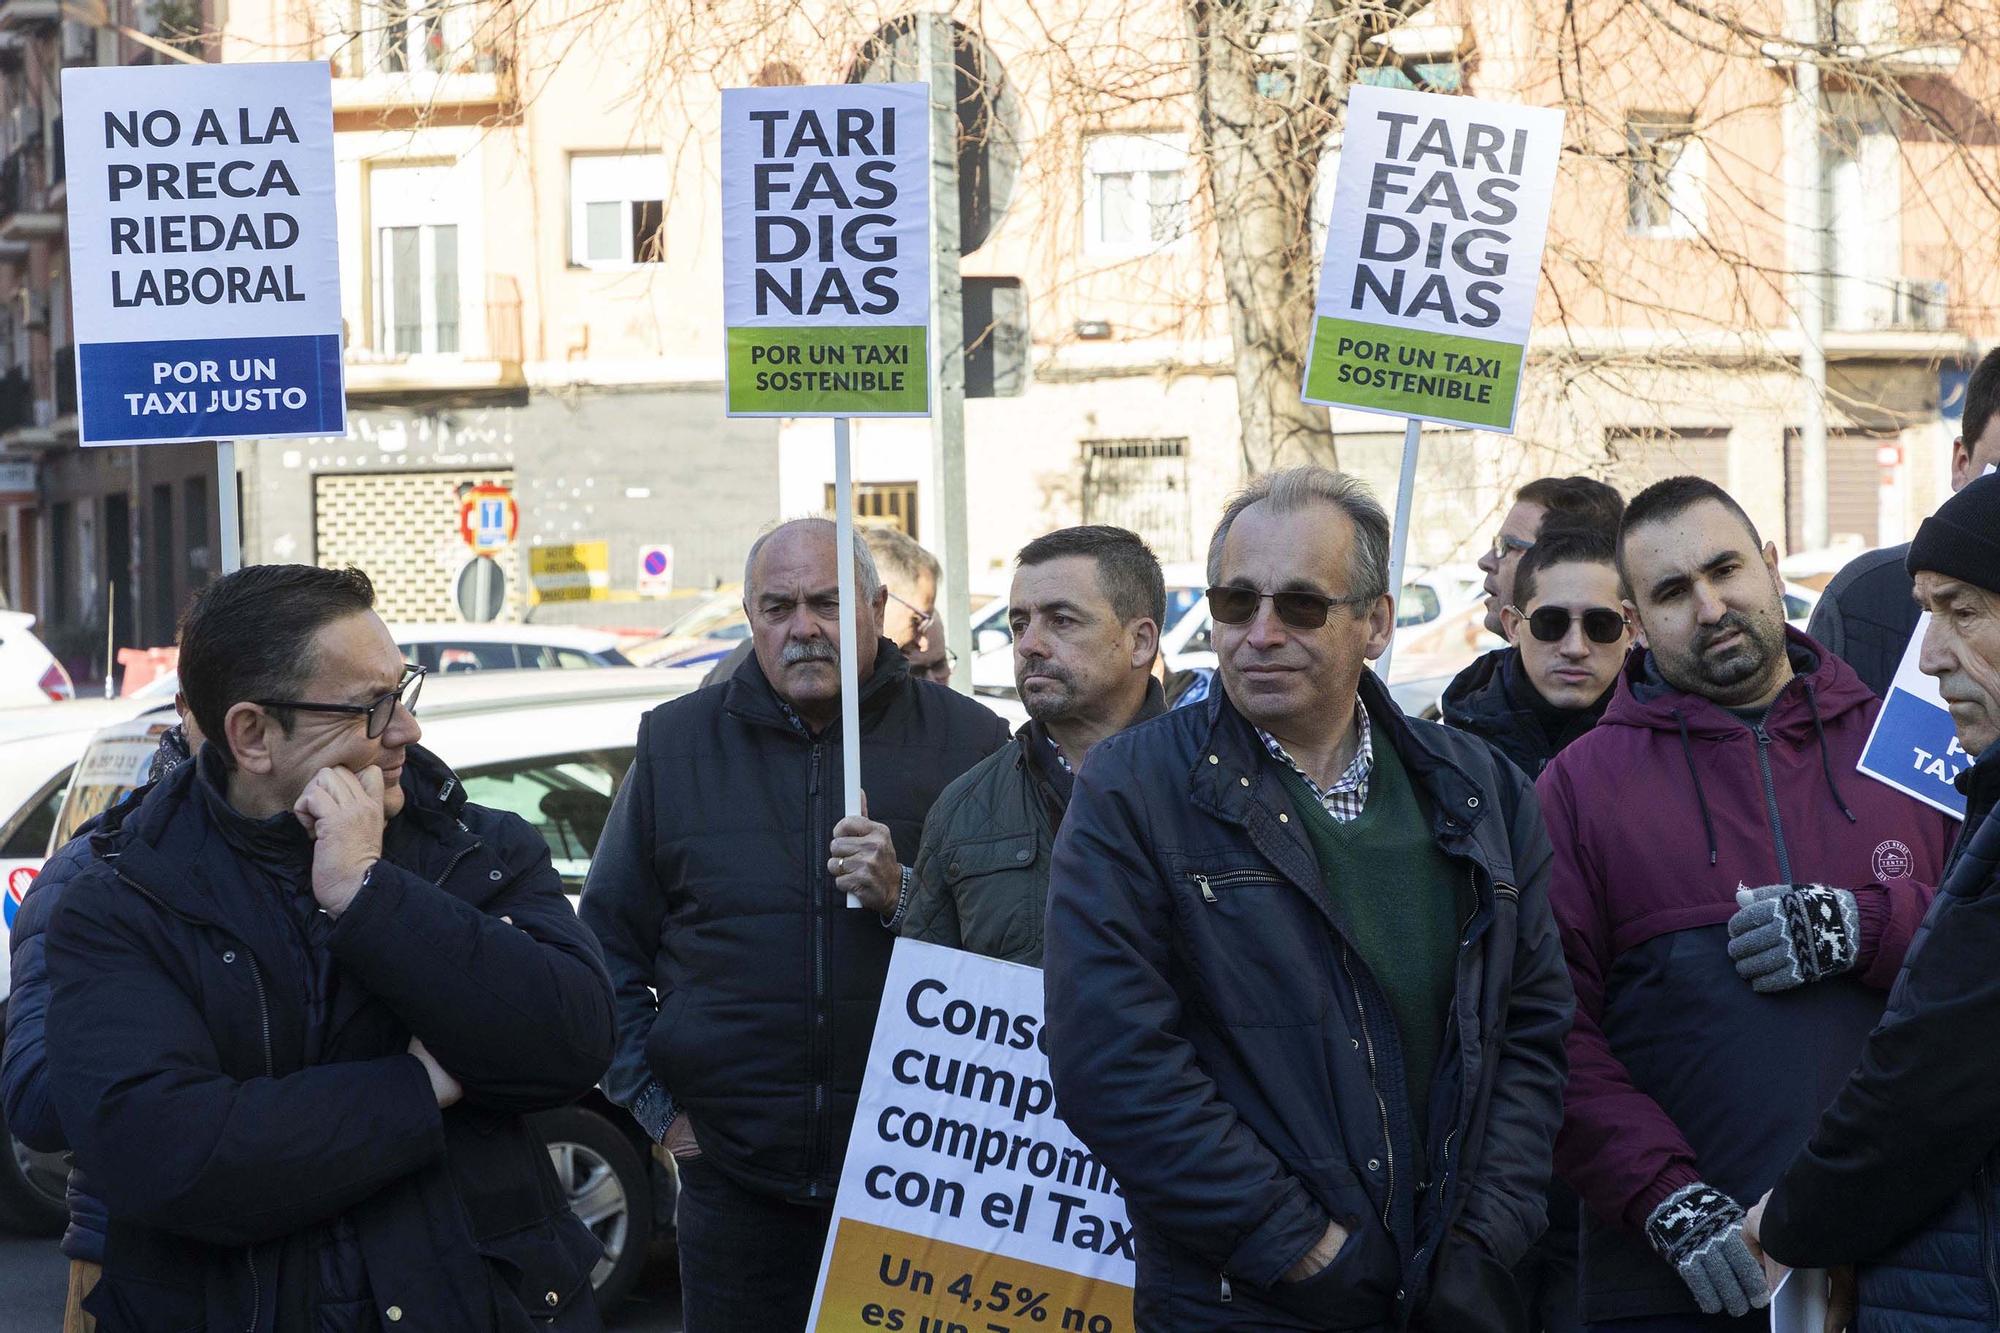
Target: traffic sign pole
{"x":850,"y":669}
{"x":1399,"y":539}
{"x":230,"y":535}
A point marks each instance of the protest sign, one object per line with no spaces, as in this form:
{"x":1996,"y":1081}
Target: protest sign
{"x":1433,"y":254}
{"x":826,"y":249}
{"x":204,"y":261}
{"x":1913,"y":746}
{"x":965,"y":1203}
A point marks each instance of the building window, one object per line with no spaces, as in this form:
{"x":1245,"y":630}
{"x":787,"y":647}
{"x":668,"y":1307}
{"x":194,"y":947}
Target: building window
{"x":414,"y":36}
{"x":617,"y":205}
{"x":416,"y":261}
{"x":1141,"y":485}
{"x":1136,"y":189}
{"x":1666,"y":178}
{"x":891,"y":502}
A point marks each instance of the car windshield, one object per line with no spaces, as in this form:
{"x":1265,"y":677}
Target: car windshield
{"x":111,"y":769}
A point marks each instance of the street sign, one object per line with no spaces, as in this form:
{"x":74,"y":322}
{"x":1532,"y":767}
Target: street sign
{"x":577,"y":572}
{"x":656,"y":571}
{"x":18,"y":876}
{"x":204,"y":261}
{"x":973,"y":1179}
{"x":1433,"y":255}
{"x":488,"y":518}
{"x":480,"y":590}
{"x":1914,"y":746}
{"x":826,"y":284}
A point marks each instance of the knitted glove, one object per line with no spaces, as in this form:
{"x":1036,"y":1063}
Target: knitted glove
{"x":1787,"y":935}
{"x":1700,"y":1232}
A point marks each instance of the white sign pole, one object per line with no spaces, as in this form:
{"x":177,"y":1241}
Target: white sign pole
{"x":1399,"y":538}
{"x":225,"y":506}
{"x":850,"y":669}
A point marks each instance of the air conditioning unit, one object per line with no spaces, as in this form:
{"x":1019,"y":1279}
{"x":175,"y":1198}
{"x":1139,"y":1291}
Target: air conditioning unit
{"x":1920,"y":303}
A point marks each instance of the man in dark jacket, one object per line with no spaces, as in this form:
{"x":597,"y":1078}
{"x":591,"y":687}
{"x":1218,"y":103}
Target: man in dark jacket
{"x":1734,"y":902}
{"x":1867,"y":614}
{"x":24,"y":1082}
{"x":747,"y":990}
{"x":1568,"y":633}
{"x":1899,"y":1176}
{"x":304,"y":998}
{"x":1305,"y":998}
{"x":1085,"y":612}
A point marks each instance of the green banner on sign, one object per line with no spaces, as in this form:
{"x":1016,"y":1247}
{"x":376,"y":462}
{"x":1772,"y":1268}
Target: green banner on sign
{"x":851,"y":371}
{"x":1411,"y":372}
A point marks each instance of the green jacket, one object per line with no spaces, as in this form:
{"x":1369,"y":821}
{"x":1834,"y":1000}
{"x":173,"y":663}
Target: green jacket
{"x":982,"y":873}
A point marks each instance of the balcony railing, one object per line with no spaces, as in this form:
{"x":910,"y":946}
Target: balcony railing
{"x":486,"y":351}
{"x":1890,"y":304}
{"x":423,"y":54}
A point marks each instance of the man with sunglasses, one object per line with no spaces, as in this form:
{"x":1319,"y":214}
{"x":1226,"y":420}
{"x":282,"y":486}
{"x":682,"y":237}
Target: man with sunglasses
{"x":1569,"y":502}
{"x":1734,"y":900}
{"x":306,"y":996}
{"x":1305,"y":997}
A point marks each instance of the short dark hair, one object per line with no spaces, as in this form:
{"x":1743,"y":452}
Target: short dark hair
{"x":1982,"y":397}
{"x":249,"y":635}
{"x":1667,"y":499}
{"x":1126,"y":566}
{"x":1577,"y":502}
{"x":1562,"y":545}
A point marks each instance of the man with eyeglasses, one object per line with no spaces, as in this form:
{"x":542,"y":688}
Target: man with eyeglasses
{"x":306,"y":997}
{"x":1555,"y":501}
{"x":1305,"y":998}
{"x":1734,"y":902}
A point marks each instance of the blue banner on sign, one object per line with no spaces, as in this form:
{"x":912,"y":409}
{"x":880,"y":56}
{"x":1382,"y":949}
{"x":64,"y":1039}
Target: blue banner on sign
{"x":211,"y":389}
{"x":1915,"y":749}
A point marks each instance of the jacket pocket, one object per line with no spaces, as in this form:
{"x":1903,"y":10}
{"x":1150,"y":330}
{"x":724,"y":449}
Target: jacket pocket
{"x":1356,"y":1291}
{"x":135,"y":1305}
{"x":545,"y":1268}
{"x":1259,"y":950}
{"x":1000,"y":898}
{"x":1472,"y":1292}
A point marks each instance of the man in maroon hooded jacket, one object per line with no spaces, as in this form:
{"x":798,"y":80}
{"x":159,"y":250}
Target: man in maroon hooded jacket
{"x":1734,"y":901}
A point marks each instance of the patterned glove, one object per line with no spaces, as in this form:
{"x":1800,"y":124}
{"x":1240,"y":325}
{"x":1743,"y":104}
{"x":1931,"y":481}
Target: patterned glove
{"x":1787,"y":935}
{"x":1700,"y":1232}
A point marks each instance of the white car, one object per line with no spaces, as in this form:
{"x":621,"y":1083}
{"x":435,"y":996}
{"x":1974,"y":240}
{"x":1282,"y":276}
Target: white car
{"x":29,"y":673}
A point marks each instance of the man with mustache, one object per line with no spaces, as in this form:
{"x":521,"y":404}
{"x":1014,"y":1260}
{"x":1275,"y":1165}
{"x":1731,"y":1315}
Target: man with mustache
{"x":1085,"y":611}
{"x":1734,"y":902}
{"x":746,"y":987}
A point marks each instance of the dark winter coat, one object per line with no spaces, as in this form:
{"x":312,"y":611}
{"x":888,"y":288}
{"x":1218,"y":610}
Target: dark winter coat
{"x":1218,"y":1046}
{"x":1678,"y":1070}
{"x":1494,"y":700}
{"x":1866,"y":616}
{"x":710,"y":889}
{"x":981,"y":880}
{"x":1901,"y":1175}
{"x":242,"y":1168}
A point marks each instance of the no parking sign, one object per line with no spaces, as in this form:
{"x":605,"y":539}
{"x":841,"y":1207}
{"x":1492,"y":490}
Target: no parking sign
{"x":656,"y":571}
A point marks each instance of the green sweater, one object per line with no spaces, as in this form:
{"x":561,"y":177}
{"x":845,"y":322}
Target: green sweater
{"x":1399,"y":900}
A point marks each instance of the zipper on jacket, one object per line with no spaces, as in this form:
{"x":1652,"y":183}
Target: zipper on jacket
{"x":1207,"y":893}
{"x":264,"y":1015}
{"x":452,"y":864}
{"x":1224,"y":1293}
{"x":1206,"y":882}
{"x":1381,"y":1106}
{"x":1771,"y":802}
{"x":256,"y":1293}
{"x":816,"y":894}
{"x":1982,"y":1192}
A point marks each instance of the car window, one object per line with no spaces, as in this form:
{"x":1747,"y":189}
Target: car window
{"x":542,"y":657}
{"x":30,"y":836}
{"x":1419,"y":605}
{"x":1796,"y":607}
{"x":1179,"y":602}
{"x":566,"y":797}
{"x":474,"y":657}
{"x":111,"y":768}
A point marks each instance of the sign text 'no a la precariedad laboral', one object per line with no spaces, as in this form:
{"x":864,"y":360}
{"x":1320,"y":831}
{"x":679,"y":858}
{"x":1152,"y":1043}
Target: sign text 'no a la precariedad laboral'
{"x":205,"y":269}
{"x":1433,"y":255}
{"x":826,"y":249}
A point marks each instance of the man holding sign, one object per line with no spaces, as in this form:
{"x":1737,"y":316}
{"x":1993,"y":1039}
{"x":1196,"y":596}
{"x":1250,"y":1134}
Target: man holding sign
{"x":1898,"y":1175}
{"x":747,"y":989}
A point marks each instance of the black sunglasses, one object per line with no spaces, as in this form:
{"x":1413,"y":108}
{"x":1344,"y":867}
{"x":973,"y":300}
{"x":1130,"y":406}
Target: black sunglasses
{"x":1551,"y":623}
{"x":1300,"y":610}
{"x":378,"y":710}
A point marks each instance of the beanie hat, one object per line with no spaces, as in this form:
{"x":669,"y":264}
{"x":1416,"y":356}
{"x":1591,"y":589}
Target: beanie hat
{"x":1962,"y":539}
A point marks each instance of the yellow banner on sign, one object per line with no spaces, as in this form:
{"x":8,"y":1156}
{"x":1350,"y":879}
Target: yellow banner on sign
{"x":578,"y":572}
{"x":880,"y":1278}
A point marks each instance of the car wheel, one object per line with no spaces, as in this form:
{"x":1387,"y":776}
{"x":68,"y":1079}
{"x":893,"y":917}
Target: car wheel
{"x":605,"y":1181}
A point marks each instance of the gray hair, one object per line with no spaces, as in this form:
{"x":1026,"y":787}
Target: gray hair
{"x":1292,"y":489}
{"x":902,"y":562}
{"x":867,"y":581}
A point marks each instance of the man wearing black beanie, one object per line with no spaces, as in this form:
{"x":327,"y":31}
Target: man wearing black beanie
{"x":1899,"y":1176}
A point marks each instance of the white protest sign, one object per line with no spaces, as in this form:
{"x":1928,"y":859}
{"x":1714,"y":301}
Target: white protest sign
{"x":1914,"y":746}
{"x":826,"y":264}
{"x":204,"y":262}
{"x":1433,"y":255}
{"x":964,"y":1202}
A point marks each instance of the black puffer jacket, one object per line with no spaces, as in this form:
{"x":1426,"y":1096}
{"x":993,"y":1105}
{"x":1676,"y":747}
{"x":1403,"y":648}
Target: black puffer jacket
{"x":1866,"y":615}
{"x":1493,"y":699}
{"x":238,"y":1170}
{"x":710,"y":889}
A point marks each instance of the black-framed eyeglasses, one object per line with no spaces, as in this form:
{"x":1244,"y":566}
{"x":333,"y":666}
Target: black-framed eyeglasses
{"x":1551,"y":623}
{"x":378,"y":710}
{"x":1300,"y":610}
